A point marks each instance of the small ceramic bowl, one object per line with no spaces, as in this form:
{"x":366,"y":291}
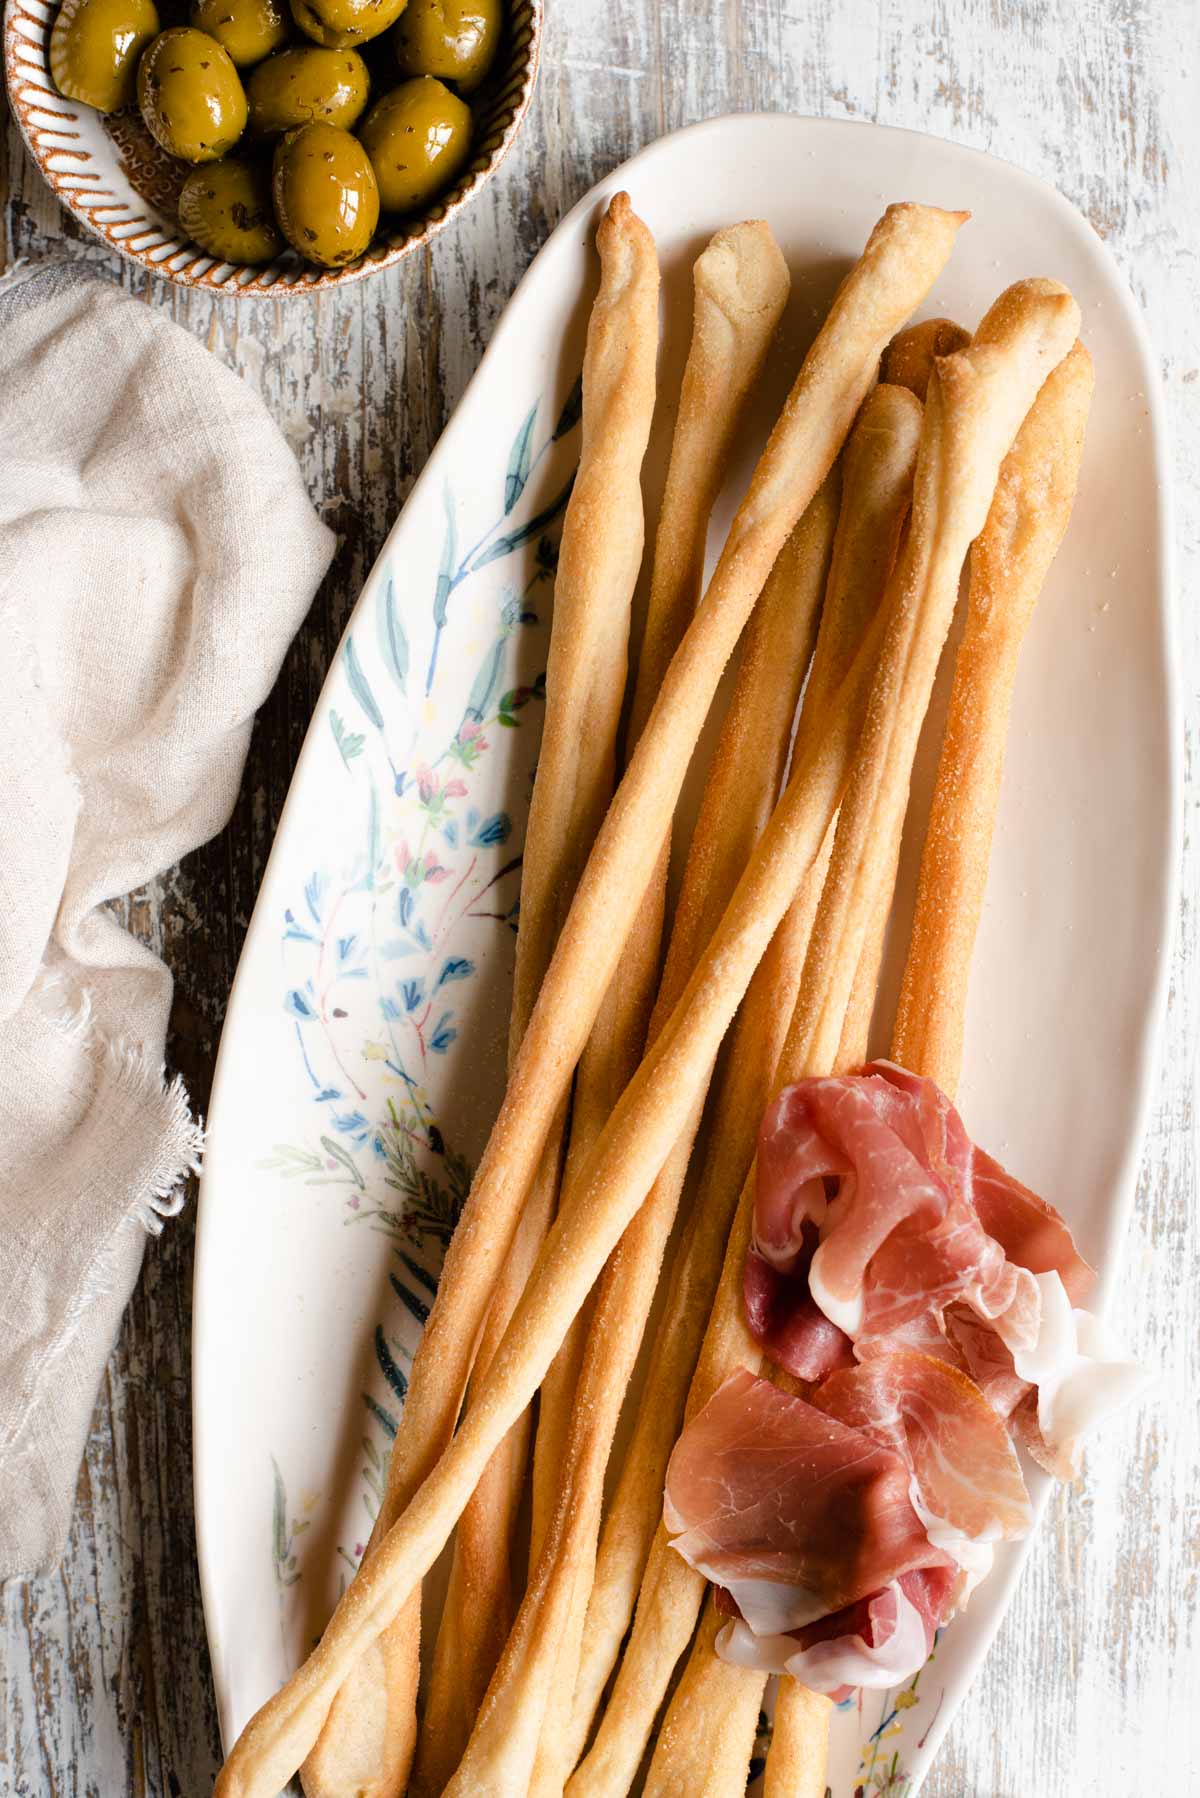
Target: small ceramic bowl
{"x":112,"y":175}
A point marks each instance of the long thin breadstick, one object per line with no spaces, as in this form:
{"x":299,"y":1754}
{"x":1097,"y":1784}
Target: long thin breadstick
{"x":740,"y":287}
{"x":909,"y":361}
{"x":975,"y":405}
{"x":632,"y":1148}
{"x":797,"y":1756}
{"x":692,"y":1736}
{"x":876,"y":488}
{"x":906,"y":251}
{"x":747,"y":769}
{"x":585,"y":686}
{"x":1027,"y":517}
{"x":1009,"y":563}
{"x":708,"y":1735}
{"x":598,"y":566}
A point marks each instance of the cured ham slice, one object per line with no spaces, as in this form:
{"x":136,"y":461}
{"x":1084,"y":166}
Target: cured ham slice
{"x":964,"y":1468}
{"x":881,"y":1164}
{"x":793,"y":1511}
{"x":786,"y":1319}
{"x":877,"y":1643}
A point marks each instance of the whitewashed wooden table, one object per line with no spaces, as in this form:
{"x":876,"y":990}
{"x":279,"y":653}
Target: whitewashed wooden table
{"x":1091,"y":1687}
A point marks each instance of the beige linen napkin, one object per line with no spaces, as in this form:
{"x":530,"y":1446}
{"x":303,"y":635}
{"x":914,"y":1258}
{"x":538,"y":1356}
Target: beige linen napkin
{"x":157,"y":553}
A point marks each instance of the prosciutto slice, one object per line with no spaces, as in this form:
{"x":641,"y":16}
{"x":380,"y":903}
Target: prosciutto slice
{"x":786,"y":1319}
{"x":796,"y":1513}
{"x":881,"y":1164}
{"x":877,"y":1643}
{"x":965,"y":1472}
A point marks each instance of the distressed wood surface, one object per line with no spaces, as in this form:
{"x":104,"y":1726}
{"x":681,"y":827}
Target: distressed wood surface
{"x":1091,"y":1685}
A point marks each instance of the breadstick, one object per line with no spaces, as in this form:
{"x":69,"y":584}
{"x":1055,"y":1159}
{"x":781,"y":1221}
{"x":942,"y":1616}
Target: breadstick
{"x":598,"y":566}
{"x":909,"y":358}
{"x":745,"y":776}
{"x":1027,"y":516}
{"x":975,"y":405}
{"x":876,"y":488}
{"x":903,"y":257}
{"x":585,"y":684}
{"x":707,"y":1737}
{"x":740,"y":286}
{"x":1009,"y":563}
{"x":798,"y":1752}
{"x":632,"y":1148}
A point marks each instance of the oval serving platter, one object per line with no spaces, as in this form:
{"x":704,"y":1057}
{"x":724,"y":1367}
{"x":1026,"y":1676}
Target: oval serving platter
{"x":363,"y":1053}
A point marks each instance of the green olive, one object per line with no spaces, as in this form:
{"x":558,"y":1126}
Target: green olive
{"x":326,"y":198}
{"x":453,"y":39}
{"x":306,"y":83}
{"x":418,"y":138}
{"x":227,"y":208}
{"x":340,"y":24}
{"x":248,"y":29}
{"x":190,"y":96}
{"x":94,"y":50}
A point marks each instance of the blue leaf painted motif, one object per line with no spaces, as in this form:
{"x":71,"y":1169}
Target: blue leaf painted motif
{"x":390,"y":1368}
{"x":572,"y":410}
{"x":412,"y":992}
{"x":314,"y":894}
{"x":298,"y":1005}
{"x":493,"y":830}
{"x":390,"y":1010}
{"x":404,"y":905}
{"x":352,"y":1123}
{"x":504,"y":546}
{"x":445,"y":584}
{"x":443,"y":1035}
{"x":420,"y":1274}
{"x":417,"y":1306}
{"x":339,"y":1154}
{"x":326,"y":1094}
{"x":393,"y":644}
{"x":382,"y":1417}
{"x":485,"y":682}
{"x":372,"y":837}
{"x":349,"y":742}
{"x":345,"y":946}
{"x":519,"y":458}
{"x":457,"y":968}
{"x":358,"y":684}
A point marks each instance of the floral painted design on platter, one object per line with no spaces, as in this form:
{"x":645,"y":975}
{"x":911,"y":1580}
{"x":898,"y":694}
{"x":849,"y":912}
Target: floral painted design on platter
{"x":376,"y":987}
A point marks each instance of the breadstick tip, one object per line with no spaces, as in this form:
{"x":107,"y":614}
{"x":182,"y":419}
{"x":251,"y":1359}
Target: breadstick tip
{"x":743,"y":270}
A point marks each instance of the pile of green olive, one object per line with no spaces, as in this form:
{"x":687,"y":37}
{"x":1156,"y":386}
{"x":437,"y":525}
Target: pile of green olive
{"x":286,"y":83}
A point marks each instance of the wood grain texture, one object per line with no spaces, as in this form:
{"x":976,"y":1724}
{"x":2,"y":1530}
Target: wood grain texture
{"x":1090,"y":1688}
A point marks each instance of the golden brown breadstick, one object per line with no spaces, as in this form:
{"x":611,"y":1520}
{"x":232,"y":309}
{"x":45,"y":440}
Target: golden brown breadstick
{"x":585,"y":686}
{"x":1009,"y":563}
{"x":595,"y":1212}
{"x":877,"y":483}
{"x":909,"y":358}
{"x":740,"y":287}
{"x":975,"y":405}
{"x":598,"y":567}
{"x":797,"y":1755}
{"x":1005,"y":324}
{"x":1028,"y":517}
{"x":707,"y":1737}
{"x":746,"y":772}
{"x":904,"y":255}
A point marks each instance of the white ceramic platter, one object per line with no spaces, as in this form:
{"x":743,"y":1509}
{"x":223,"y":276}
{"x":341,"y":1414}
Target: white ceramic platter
{"x":362,"y":1059}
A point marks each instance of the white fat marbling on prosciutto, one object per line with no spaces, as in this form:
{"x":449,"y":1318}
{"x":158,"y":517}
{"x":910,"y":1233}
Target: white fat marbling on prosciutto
{"x":1080,"y":1371}
{"x":842,"y":1661}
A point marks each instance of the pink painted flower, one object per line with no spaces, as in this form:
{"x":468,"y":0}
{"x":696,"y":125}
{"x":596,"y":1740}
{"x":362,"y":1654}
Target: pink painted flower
{"x":433,"y":871}
{"x":455,"y":789}
{"x":468,"y":730}
{"x":402,"y":856}
{"x":426,"y":782}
